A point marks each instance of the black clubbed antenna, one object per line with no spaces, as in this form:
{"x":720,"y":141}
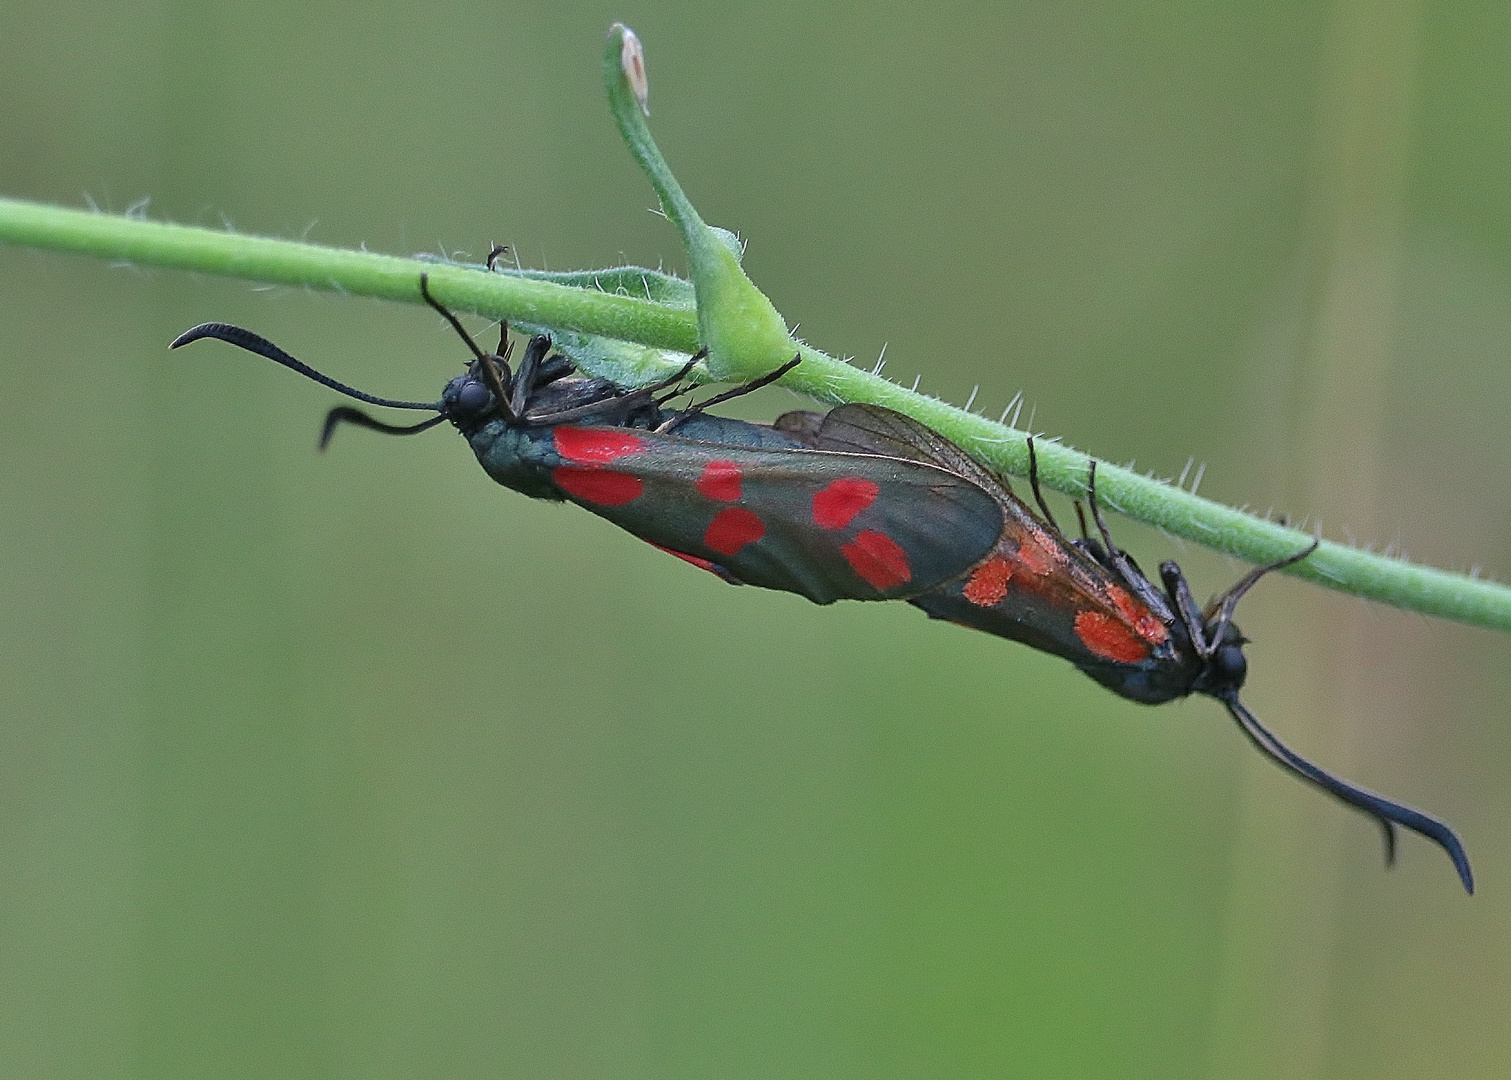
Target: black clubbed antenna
{"x":255,"y":343}
{"x":345,"y":414}
{"x":1387,"y":812}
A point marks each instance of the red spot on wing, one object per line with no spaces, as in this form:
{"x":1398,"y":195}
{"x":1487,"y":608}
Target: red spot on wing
{"x":988,"y":584}
{"x":720,"y":480}
{"x":702,"y":564}
{"x":598,"y":486}
{"x":878,"y":559}
{"x":731,"y":529}
{"x":1123,"y":602}
{"x":1144,"y":621}
{"x":1039,"y":553}
{"x":595,"y":446}
{"x":1109,"y":639}
{"x":837,"y":504}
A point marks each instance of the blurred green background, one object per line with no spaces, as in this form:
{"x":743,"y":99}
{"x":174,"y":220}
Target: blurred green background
{"x":358,"y":765}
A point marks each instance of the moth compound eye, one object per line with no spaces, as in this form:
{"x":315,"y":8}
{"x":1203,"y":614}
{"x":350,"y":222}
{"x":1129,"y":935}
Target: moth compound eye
{"x":467,"y":397}
{"x":1231,"y":663}
{"x":474,"y":397}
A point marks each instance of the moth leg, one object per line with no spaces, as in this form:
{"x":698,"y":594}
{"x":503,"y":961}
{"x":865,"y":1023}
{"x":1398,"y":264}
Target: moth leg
{"x":1179,"y":591}
{"x":452,"y":319}
{"x":620,"y":406}
{"x":1090,"y":546}
{"x":677,"y":376}
{"x":1225,"y":603}
{"x":529,"y":368}
{"x":770,"y":377}
{"x":491,"y":377}
{"x":504,"y":346}
{"x":1096,"y":511}
{"x":1118,"y":560}
{"x":1033,"y":482}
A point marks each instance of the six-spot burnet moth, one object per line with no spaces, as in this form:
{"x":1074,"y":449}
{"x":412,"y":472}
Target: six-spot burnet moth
{"x":861,"y":503}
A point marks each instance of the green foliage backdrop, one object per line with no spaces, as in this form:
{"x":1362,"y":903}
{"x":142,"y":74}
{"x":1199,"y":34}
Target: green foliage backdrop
{"x":358,"y":765}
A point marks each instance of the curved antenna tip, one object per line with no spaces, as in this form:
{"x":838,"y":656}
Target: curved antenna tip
{"x":1387,"y":812}
{"x":194,"y":333}
{"x":261,"y":346}
{"x":345,"y":414}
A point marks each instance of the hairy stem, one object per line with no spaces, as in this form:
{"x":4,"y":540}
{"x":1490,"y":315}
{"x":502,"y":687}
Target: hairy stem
{"x":662,"y":326}
{"x":283,"y":262}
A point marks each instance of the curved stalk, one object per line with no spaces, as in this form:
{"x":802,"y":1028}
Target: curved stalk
{"x":663,"y":326}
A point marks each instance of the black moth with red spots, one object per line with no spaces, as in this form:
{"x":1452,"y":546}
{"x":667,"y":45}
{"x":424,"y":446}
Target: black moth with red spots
{"x":1087,"y":601}
{"x":749,"y":502}
{"x":861,"y":503}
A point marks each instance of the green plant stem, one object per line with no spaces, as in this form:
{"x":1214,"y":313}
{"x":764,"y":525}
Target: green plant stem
{"x":743,"y":331}
{"x":544,"y":303}
{"x":284,"y":262}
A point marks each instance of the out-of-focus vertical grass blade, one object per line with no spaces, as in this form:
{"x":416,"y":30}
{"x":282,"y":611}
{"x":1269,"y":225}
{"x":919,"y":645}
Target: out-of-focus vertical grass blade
{"x":1291,"y":851}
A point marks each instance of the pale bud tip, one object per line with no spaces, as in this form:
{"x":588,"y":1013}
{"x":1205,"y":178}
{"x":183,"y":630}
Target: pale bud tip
{"x":632,"y":60}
